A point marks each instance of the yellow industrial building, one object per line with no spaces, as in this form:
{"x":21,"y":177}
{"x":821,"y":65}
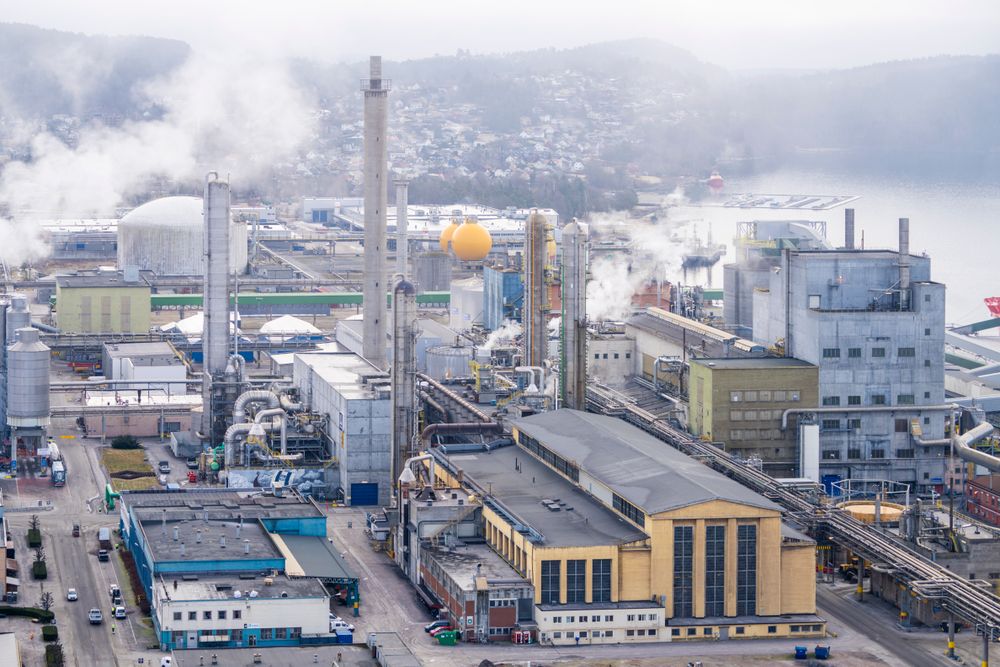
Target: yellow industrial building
{"x":626,"y":539}
{"x":101,"y":303}
{"x":741,"y":402}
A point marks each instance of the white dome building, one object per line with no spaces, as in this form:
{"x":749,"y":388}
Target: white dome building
{"x":166,"y":236}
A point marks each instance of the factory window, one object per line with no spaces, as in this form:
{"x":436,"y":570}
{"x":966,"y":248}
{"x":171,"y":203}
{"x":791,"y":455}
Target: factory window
{"x":779,"y":395}
{"x":616,"y":355}
{"x":597,"y":355}
{"x":735,"y":396}
{"x":878,"y":399}
{"x":771,"y":629}
{"x":854,"y":353}
{"x":814,"y":300}
{"x":707,"y":632}
{"x":854,"y":423}
{"x":765,"y":396}
{"x":557,"y":635}
{"x":675,"y":632}
{"x":831,"y":353}
{"x":630,"y":618}
{"x":609,"y":618}
{"x":854,"y":400}
{"x":927,"y":420}
{"x":904,"y":453}
{"x":550,"y":582}
{"x":683,"y":557}
{"x":746,"y":570}
{"x":793,"y":396}
{"x":237,"y":613}
{"x":630,"y":511}
{"x":927,"y":332}
{"x":294,"y":633}
{"x":878,"y":454}
{"x":831,"y":454}
{"x":206,"y":615}
{"x":279,"y":633}
{"x":927,"y":394}
{"x":630,"y":633}
{"x":740,"y":630}
{"x":604,"y":356}
{"x":222,"y":614}
{"x":831,"y":400}
{"x":576,"y":581}
{"x":831,"y":424}
{"x":715,"y":570}
{"x":878,"y":352}
{"x":927,"y":363}
{"x":904,"y":399}
{"x":177,"y":615}
{"x":750,"y":396}
{"x":750,"y":415}
{"x":907,"y":352}
{"x":628,"y":355}
{"x":736,"y":415}
{"x":192,"y":616}
{"x":902,"y":426}
{"x":601,"y":581}
{"x":266,"y":633}
{"x":927,"y":298}
{"x":557,"y":619}
{"x":691,"y":632}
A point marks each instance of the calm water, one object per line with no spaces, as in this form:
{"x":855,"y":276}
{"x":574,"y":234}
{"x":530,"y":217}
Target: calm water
{"x":956,"y":223}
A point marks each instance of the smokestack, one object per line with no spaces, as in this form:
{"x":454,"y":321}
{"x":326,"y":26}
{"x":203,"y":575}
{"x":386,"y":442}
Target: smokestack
{"x":246,"y":546}
{"x":904,"y":263}
{"x":177,"y":532}
{"x":536,"y":306}
{"x":849,"y":229}
{"x":222,"y":541}
{"x":573,"y":364}
{"x":215,"y":339}
{"x":183,"y":551}
{"x":402,"y":238}
{"x":376,"y":94}
{"x":404,"y":374}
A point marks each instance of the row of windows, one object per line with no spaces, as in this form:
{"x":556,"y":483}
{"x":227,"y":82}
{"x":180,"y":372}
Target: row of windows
{"x":765,"y":396}
{"x":501,"y":631}
{"x":754,"y":415}
{"x":746,"y":570}
{"x":550,"y":457}
{"x":877,"y":352}
{"x":683,"y":570}
{"x":876,"y":453}
{"x":608,"y":618}
{"x":503,"y":603}
{"x":582,"y":634}
{"x":756,"y":434}
{"x":597,"y":355}
{"x":576,"y":581}
{"x":221,"y":615}
{"x":715,"y":570}
{"x":236,"y":634}
{"x":628,"y":510}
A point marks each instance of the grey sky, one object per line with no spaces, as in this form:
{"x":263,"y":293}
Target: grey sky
{"x":735,"y":34}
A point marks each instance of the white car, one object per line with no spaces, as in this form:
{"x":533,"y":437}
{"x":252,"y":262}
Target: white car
{"x":337,"y":623}
{"x":119,"y":611}
{"x":71,"y":595}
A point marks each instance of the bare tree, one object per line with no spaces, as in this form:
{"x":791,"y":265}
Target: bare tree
{"x":33,"y":524}
{"x":40,"y":555}
{"x":46,"y":601}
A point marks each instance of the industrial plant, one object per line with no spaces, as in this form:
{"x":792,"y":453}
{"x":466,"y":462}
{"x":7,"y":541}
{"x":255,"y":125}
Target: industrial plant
{"x":539,"y":472}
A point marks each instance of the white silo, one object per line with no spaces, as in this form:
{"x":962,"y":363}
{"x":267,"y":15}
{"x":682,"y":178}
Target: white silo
{"x":166,"y":235}
{"x":18,"y":316}
{"x":28,"y":381}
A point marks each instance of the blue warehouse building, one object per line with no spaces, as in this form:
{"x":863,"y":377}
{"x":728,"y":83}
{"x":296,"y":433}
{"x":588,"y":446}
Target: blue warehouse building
{"x":230,"y":569}
{"x":503,"y":295}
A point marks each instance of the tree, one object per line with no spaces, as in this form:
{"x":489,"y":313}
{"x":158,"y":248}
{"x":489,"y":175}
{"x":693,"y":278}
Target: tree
{"x":125,"y":442}
{"x":39,"y":568}
{"x":54,"y":656}
{"x":40,"y":555}
{"x":46,"y":601}
{"x":34,"y":523}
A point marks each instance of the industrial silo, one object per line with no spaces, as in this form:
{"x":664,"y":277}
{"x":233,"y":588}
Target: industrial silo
{"x":449,"y":361}
{"x":166,"y":236}
{"x":28,"y":381}
{"x":18,"y":316}
{"x":432,"y":271}
{"x":466,"y":307}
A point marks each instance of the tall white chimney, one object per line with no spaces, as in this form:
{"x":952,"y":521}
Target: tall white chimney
{"x":904,"y":263}
{"x":402,"y":234}
{"x":215,"y":296}
{"x":376,"y":93}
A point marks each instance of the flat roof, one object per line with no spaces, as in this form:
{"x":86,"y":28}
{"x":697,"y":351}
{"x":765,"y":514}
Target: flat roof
{"x":345,"y":372}
{"x":311,"y":556}
{"x":152,"y":349}
{"x":219,"y":504}
{"x":747,"y":363}
{"x":582,"y":521}
{"x":463,"y":563}
{"x":225,"y":587}
{"x":163,"y":546}
{"x":643,"y":470}
{"x":106,"y":279}
{"x":583,"y":606}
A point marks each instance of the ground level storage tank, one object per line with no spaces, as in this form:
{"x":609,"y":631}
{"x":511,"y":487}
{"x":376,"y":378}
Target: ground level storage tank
{"x":448,"y":361}
{"x":28,"y":381}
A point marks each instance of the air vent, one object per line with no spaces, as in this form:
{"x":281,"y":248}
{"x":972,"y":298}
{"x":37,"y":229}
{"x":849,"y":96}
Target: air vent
{"x":189,"y":577}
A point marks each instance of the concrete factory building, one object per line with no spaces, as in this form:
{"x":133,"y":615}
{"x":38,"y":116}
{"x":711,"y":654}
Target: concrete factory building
{"x":102,"y":302}
{"x":873,"y":322}
{"x":354,"y":396}
{"x":625,"y":539}
{"x":166,"y":236}
{"x":741,"y":401}
{"x":227,"y":569}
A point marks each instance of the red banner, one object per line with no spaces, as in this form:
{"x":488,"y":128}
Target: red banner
{"x":993,"y":303}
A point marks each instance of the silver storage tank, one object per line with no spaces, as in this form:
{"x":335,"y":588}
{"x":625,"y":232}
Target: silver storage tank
{"x":447,"y":361}
{"x":18,"y":316}
{"x":28,"y":381}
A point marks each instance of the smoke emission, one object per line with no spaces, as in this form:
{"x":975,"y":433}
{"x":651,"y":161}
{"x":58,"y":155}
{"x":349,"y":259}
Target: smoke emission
{"x":215,"y":112}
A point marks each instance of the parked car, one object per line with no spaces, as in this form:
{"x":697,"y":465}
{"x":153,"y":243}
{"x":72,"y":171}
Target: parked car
{"x":118,"y":611}
{"x":76,"y":530}
{"x":163,"y":467}
{"x":71,"y":595}
{"x":436,"y":624}
{"x":192,"y":463}
{"x":102,"y":555}
{"x":95,"y":617}
{"x":444,"y":628}
{"x":114,"y":592}
{"x":337,"y":623}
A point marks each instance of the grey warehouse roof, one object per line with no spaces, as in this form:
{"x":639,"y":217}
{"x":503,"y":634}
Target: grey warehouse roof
{"x":641,"y":469}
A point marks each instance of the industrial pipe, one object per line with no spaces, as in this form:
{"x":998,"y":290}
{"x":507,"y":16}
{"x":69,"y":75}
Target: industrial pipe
{"x":280,"y":413}
{"x":540,"y":382}
{"x":424,"y":396}
{"x":868,"y":408}
{"x":289,"y":405}
{"x":45,"y":327}
{"x":459,"y":428}
{"x":656,"y":370}
{"x":967,"y":453}
{"x":252,"y":396}
{"x":453,"y":396}
{"x":420,"y":457}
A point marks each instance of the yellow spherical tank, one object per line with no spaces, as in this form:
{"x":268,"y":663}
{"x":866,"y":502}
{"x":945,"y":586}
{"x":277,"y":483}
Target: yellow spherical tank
{"x":446,"y":235}
{"x":471,"y":242}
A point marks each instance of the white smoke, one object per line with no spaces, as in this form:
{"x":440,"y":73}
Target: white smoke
{"x":554,"y":324}
{"x":217,"y":112}
{"x":507,"y":332}
{"x":656,"y":252}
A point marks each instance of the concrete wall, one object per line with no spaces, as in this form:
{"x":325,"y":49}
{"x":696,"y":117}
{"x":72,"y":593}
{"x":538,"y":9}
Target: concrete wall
{"x":610,"y":359}
{"x":145,"y":425}
{"x":103,"y":309}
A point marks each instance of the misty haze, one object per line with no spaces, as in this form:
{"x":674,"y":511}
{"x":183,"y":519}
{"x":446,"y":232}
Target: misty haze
{"x":438,"y":333}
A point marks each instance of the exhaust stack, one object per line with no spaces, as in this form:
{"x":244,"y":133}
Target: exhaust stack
{"x":904,"y":263}
{"x":376,"y":94}
{"x":849,"y":229}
